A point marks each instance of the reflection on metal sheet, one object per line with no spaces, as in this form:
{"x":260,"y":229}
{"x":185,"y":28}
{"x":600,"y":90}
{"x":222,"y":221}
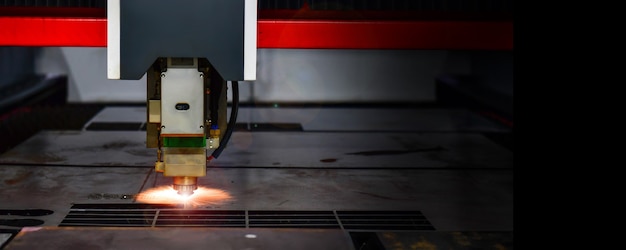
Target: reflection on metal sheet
{"x":4,"y":237}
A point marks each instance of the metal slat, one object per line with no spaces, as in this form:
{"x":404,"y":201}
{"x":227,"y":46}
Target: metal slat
{"x":112,"y":212}
{"x":109,"y":222}
{"x":202,"y":212}
{"x":295,"y":226}
{"x":294,"y":219}
{"x":389,"y":227}
{"x":89,"y":217}
{"x":257,"y":212}
{"x":287,"y":217}
{"x":201,"y":220}
{"x":384,"y":222}
{"x":99,"y":225}
{"x":195,"y":222}
{"x":199,"y":225}
{"x":166,"y":217}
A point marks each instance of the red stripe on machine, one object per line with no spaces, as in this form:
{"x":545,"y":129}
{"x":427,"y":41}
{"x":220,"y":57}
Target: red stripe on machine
{"x":300,"y":34}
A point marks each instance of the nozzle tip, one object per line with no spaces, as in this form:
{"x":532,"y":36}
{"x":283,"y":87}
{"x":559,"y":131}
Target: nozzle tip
{"x":185,"y":190}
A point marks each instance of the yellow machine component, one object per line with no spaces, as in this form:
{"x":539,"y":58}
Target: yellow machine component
{"x":214,"y":133}
{"x":184,"y":162}
{"x":154,"y":111}
{"x":214,"y":139}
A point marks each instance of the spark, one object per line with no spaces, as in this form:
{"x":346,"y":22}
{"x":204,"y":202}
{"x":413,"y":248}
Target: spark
{"x":167,"y":195}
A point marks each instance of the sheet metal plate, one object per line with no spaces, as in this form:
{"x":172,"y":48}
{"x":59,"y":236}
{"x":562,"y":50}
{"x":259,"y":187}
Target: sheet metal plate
{"x":377,"y":119}
{"x":56,"y":188}
{"x":450,"y":199}
{"x":120,"y":114}
{"x":83,"y":148}
{"x":179,"y":238}
{"x":460,"y":181}
{"x":493,"y":240}
{"x":273,"y":149}
{"x":4,"y":237}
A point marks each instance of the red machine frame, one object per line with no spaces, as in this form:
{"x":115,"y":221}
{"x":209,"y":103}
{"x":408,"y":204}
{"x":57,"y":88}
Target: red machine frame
{"x":288,"y":29}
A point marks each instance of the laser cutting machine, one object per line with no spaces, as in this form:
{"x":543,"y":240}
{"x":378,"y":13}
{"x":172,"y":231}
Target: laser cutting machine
{"x":256,"y":124}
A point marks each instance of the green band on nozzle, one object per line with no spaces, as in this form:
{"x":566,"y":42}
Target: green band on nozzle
{"x":184,"y":142}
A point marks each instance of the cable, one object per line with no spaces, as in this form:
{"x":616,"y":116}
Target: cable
{"x":231,"y":123}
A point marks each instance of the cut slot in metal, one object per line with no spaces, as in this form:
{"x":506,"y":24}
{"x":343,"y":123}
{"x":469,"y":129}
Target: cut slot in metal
{"x":156,"y":215}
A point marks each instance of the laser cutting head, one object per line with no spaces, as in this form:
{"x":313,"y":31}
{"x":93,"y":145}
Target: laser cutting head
{"x":185,"y":185}
{"x":186,"y":94}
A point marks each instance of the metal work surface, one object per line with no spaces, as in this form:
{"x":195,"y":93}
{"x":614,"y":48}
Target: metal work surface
{"x":374,"y":119}
{"x":179,"y":238}
{"x":4,"y":237}
{"x":341,"y":119}
{"x":82,"y":148}
{"x":450,"y":199}
{"x":495,"y":240}
{"x":450,"y":177}
{"x":56,"y":188}
{"x":120,"y":114}
{"x":273,"y":149}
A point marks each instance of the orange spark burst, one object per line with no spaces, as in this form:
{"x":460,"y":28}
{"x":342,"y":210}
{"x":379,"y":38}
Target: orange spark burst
{"x":167,"y":195}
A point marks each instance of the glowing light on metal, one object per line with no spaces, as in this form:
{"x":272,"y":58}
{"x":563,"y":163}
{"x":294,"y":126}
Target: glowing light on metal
{"x":201,"y":197}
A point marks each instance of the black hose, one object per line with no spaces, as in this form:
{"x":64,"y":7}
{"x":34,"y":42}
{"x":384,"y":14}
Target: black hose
{"x":216,"y":92}
{"x":231,"y":123}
